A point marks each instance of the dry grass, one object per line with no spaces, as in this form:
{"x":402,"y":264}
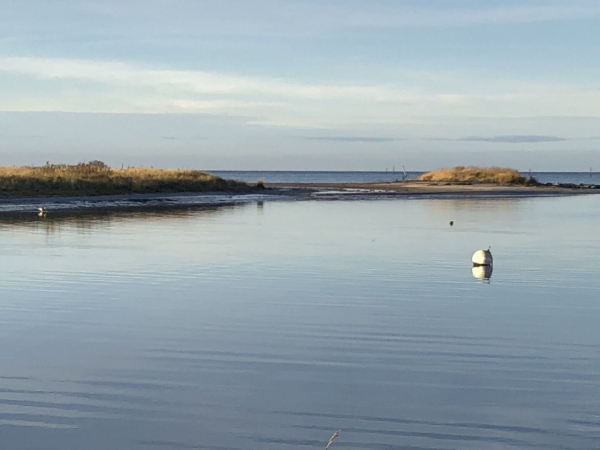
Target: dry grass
{"x":464,"y":175}
{"x":96,"y":178}
{"x":332,"y":438}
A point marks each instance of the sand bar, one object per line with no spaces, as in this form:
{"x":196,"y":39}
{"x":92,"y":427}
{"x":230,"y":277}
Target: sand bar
{"x":437,"y":190}
{"x":282,"y":192}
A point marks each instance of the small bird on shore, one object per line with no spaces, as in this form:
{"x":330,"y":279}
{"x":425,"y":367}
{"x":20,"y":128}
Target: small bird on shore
{"x":42,"y":212}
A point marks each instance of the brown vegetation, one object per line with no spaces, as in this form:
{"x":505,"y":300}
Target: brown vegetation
{"x":96,"y":178}
{"x":470,"y":175}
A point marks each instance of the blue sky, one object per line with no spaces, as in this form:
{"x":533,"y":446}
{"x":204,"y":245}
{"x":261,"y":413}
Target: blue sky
{"x":301,"y":84}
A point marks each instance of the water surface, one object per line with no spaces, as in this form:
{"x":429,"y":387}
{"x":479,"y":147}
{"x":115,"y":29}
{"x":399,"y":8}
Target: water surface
{"x":270,"y":325}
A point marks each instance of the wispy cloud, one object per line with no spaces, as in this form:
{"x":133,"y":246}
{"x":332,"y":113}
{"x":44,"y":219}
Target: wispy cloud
{"x":398,"y":16}
{"x":353,"y":139}
{"x":506,"y":139}
{"x":200,"y":82}
{"x":244,"y":89}
{"x":82,"y":85}
{"x":183,"y":138}
{"x":591,"y":138}
{"x":283,"y":18}
{"x":526,"y":139}
{"x":21,"y":136}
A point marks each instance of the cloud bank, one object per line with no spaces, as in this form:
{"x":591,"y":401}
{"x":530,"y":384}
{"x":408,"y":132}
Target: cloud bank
{"x":352,"y":139}
{"x":82,"y":85}
{"x":529,"y":139}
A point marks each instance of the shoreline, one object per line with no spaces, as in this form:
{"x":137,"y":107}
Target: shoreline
{"x":282,"y":192}
{"x":118,"y":202}
{"x":412,"y":188}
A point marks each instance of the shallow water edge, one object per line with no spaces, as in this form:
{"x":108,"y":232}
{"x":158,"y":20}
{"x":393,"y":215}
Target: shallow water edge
{"x":155,"y":202}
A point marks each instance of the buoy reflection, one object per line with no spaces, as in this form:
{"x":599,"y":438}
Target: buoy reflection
{"x":483,"y":273}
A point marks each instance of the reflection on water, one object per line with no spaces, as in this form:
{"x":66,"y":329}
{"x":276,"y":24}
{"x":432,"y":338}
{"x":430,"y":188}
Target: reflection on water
{"x":91,"y":219}
{"x":483,"y":204}
{"x":270,"y":327}
{"x":482,"y":272}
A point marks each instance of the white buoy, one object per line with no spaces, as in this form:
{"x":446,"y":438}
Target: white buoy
{"x":483,"y":258}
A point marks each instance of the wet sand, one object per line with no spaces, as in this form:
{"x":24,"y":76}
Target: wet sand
{"x":416,"y":188}
{"x":153,"y":202}
{"x":285,"y":191}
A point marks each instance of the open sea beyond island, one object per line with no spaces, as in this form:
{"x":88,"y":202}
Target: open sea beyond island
{"x":271,"y":325}
{"x":299,"y":176}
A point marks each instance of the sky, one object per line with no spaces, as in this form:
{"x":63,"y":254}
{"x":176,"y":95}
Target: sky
{"x":301,"y":84}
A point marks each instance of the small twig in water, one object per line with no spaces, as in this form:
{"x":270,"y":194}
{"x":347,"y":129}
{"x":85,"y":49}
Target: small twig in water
{"x":332,"y":438}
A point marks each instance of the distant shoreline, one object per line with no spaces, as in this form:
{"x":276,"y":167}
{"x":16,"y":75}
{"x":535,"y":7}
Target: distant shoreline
{"x":279,"y":177}
{"x":412,"y":187}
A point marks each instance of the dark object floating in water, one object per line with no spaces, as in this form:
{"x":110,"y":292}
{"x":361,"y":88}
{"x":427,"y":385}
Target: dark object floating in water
{"x":451,"y":223}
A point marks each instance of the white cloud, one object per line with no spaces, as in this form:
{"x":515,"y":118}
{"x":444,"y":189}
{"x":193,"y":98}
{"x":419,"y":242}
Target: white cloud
{"x":200,"y":82}
{"x":80,"y":85}
{"x":199,"y":105}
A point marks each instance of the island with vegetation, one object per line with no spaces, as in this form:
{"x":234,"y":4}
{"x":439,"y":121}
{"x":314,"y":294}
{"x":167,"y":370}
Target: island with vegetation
{"x":481,"y":175}
{"x":96,"y":186}
{"x":96,"y":178}
{"x":454,"y":182}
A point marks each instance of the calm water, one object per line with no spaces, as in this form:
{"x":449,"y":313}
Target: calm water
{"x":367,"y":177}
{"x":269,"y":326}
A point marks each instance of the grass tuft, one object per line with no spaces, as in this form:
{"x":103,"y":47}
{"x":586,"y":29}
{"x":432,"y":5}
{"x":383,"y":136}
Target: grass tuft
{"x":332,"y":438}
{"x":97,"y":178}
{"x":468,"y":175}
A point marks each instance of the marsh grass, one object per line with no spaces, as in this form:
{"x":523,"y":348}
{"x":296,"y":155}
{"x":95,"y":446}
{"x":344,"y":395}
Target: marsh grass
{"x":332,"y":438}
{"x":96,"y":178}
{"x":466,"y":175}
